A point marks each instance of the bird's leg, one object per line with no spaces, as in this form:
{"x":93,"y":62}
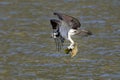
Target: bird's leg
{"x":69,"y":49}
{"x":72,"y":42}
{"x":71,"y":45}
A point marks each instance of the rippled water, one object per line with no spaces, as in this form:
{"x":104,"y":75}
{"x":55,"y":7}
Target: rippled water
{"x":28,"y":53}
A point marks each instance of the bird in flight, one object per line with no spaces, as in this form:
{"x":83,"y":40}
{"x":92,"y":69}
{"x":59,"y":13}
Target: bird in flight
{"x":64,"y":27}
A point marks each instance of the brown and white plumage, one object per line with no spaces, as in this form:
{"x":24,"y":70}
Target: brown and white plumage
{"x":65,"y":27}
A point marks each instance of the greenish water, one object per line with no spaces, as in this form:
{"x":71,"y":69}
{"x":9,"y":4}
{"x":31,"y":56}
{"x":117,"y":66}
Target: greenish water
{"x":28,"y":53}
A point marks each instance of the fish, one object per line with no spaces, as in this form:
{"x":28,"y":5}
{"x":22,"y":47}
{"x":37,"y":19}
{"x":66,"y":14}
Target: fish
{"x":73,"y":51}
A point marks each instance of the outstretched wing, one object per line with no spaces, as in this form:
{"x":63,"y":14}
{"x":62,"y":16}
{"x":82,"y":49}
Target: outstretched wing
{"x":59,"y":40}
{"x":71,"y":21}
{"x":62,"y":26}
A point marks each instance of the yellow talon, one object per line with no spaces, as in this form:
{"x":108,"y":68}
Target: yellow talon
{"x":67,"y":51}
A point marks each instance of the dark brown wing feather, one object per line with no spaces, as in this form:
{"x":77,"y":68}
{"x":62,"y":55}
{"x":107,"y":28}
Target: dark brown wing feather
{"x":59,"y":40}
{"x":71,"y":21}
{"x":55,"y":23}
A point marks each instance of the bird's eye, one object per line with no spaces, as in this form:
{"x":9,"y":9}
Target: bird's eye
{"x":75,"y":31}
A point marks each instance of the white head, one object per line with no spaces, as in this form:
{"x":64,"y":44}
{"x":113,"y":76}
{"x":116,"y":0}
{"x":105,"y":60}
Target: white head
{"x":72,"y":32}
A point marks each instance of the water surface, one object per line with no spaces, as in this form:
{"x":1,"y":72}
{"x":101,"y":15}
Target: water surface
{"x":28,"y":53}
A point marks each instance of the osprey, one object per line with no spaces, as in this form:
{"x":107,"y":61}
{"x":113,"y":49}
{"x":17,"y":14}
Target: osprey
{"x":65,"y":27}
